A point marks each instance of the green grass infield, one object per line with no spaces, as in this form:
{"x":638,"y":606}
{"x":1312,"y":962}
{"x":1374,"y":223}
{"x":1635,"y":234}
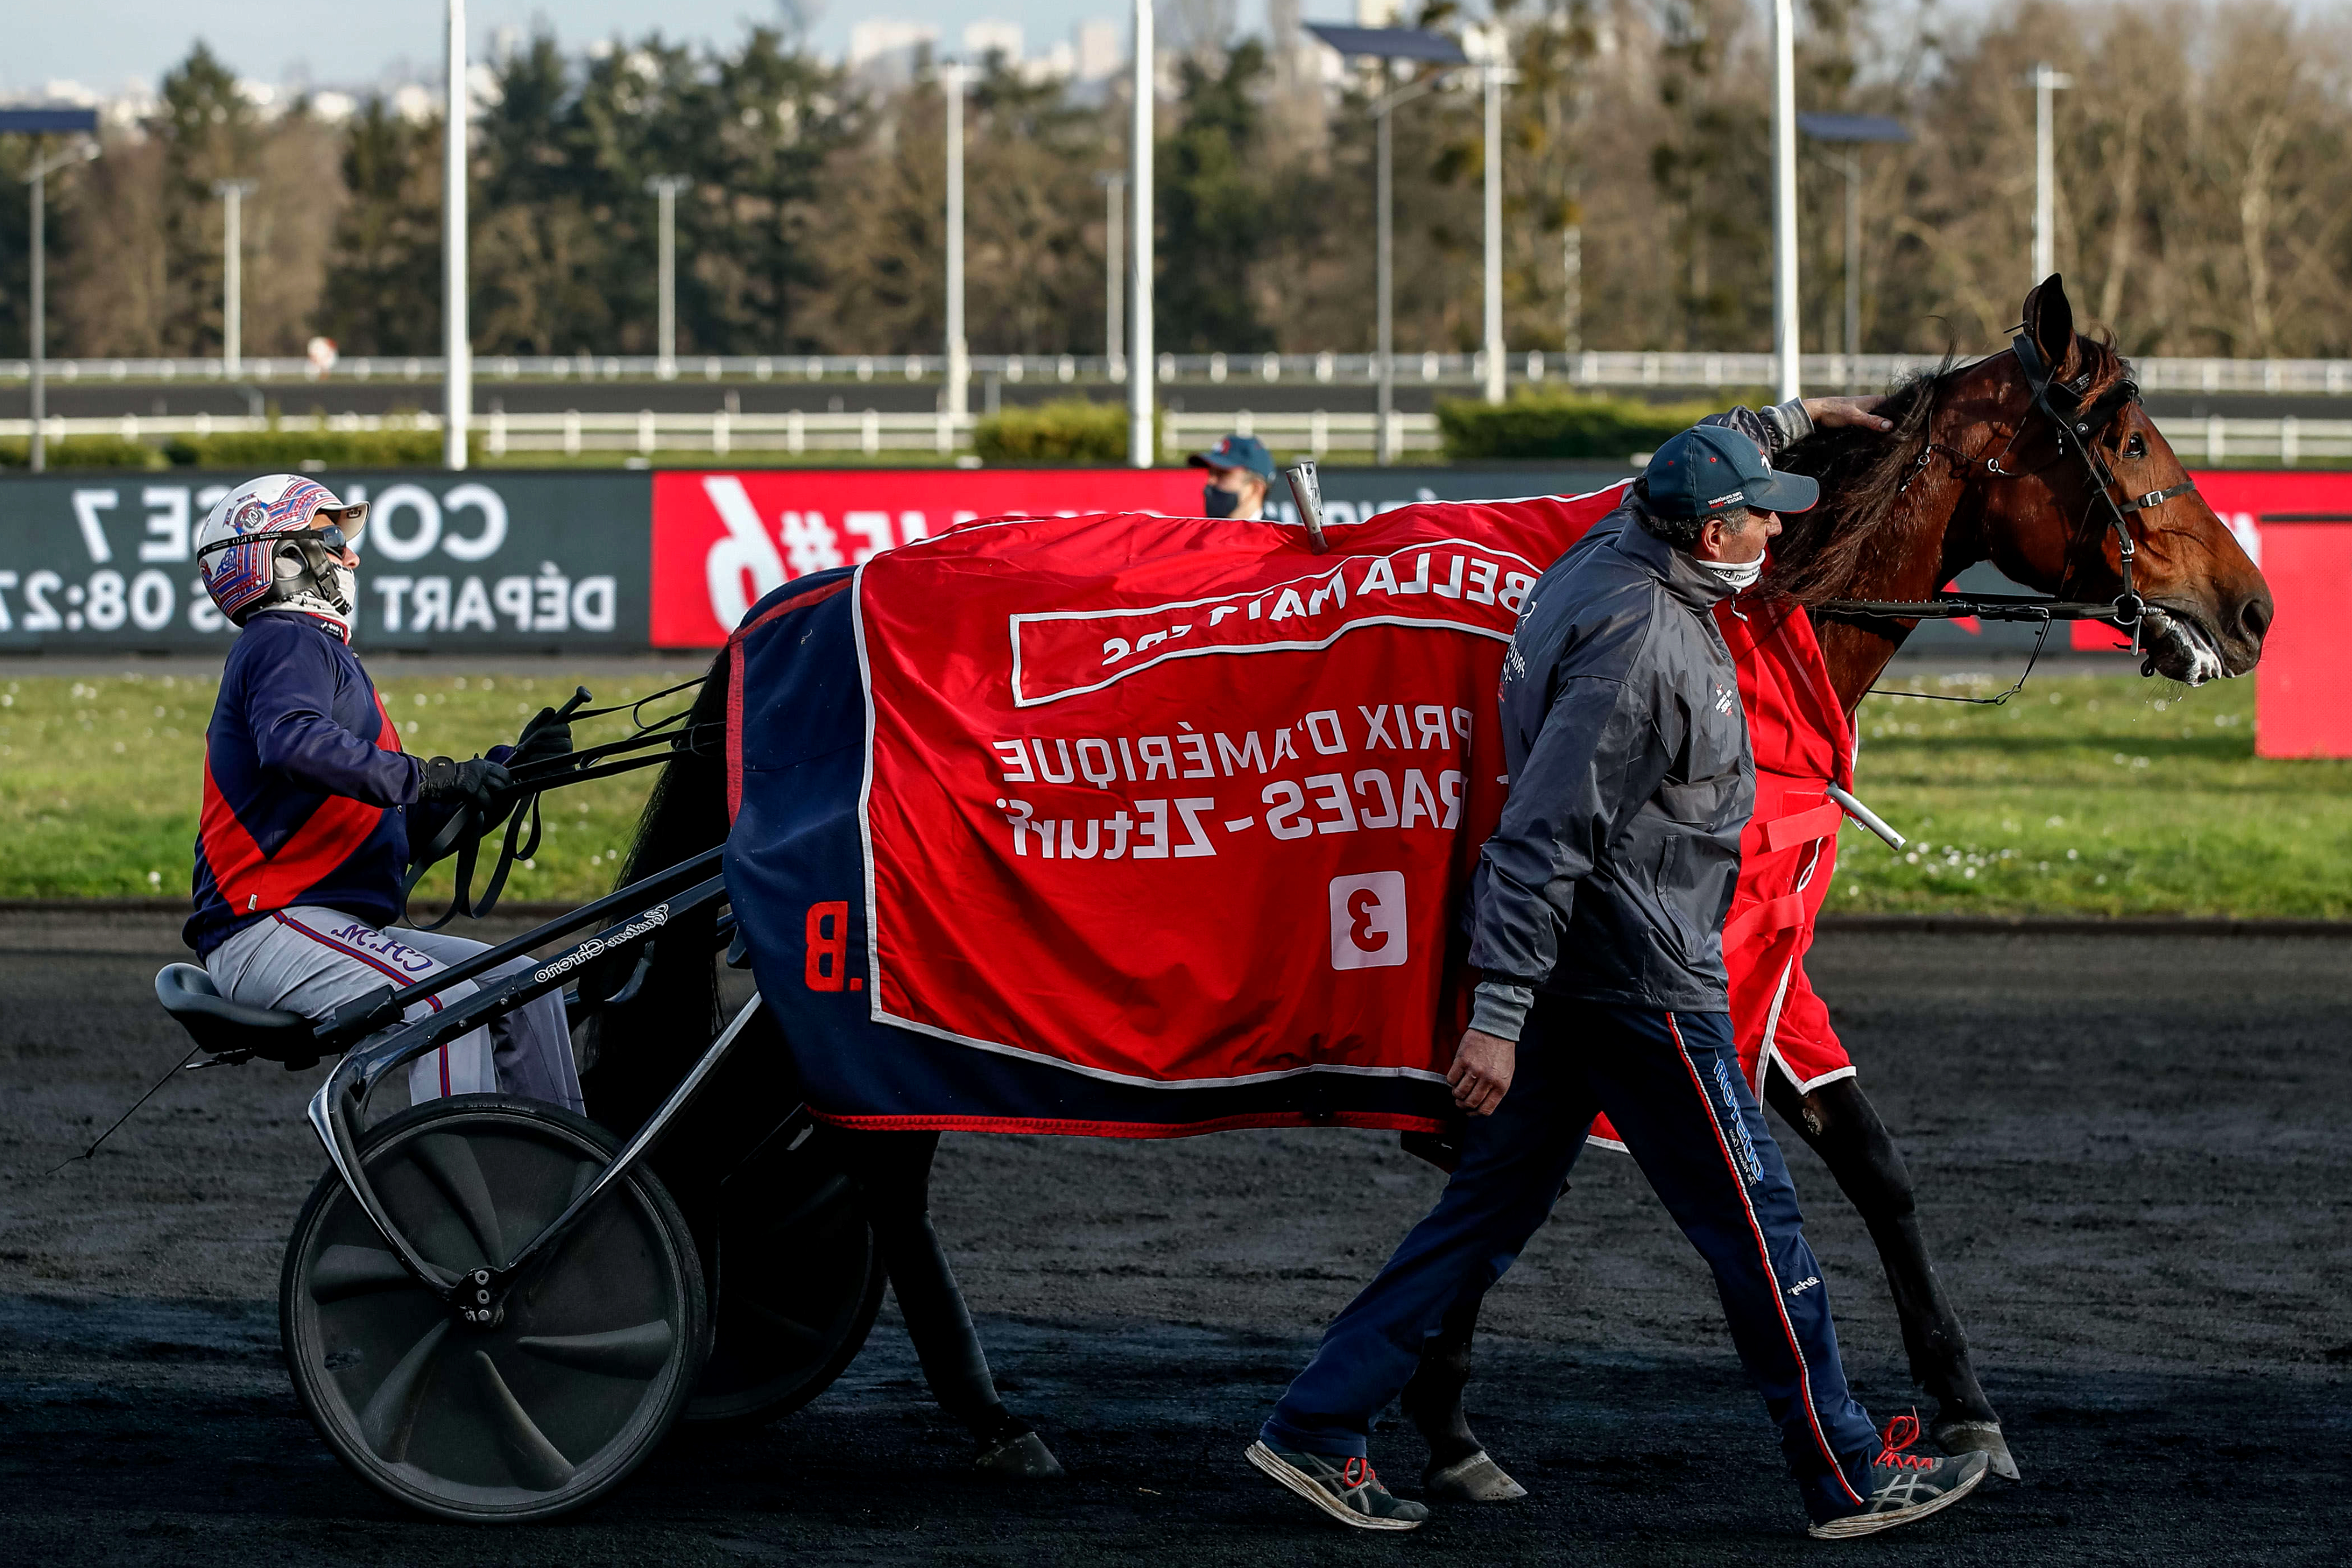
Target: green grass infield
{"x":2082,"y":796}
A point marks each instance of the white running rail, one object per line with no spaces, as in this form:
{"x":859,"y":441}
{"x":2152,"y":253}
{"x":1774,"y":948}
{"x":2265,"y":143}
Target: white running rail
{"x":1612,"y":371}
{"x":2265,"y":443}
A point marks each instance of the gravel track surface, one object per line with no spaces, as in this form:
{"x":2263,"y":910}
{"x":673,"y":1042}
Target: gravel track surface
{"x":2132,"y":1152}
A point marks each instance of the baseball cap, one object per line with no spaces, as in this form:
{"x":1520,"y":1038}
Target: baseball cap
{"x":1709,"y":468}
{"x":1237,"y":452}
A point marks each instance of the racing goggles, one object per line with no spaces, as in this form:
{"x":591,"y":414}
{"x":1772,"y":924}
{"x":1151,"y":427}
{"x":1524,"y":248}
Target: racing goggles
{"x":332,"y":537}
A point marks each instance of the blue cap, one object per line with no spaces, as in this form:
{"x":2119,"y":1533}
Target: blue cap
{"x":1237,"y":452}
{"x":1710,"y":469}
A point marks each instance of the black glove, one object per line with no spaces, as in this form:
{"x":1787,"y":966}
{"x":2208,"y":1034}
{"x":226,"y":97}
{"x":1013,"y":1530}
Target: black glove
{"x":485,"y":785}
{"x":546,"y":737}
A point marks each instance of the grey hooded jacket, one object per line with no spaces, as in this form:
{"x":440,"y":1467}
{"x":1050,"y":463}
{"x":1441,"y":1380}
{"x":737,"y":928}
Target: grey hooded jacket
{"x":1612,"y":867}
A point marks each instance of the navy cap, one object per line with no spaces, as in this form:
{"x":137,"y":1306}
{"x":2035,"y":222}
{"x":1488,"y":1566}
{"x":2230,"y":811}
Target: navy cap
{"x":1709,"y":470}
{"x":1237,"y":452}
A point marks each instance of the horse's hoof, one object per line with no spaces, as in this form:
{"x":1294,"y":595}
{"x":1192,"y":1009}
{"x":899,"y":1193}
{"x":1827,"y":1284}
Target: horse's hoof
{"x":1475,"y":1480}
{"x":1958,"y":1437}
{"x":1025,"y":1457}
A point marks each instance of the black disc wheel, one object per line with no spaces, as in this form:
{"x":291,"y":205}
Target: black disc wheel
{"x":598,"y":1349}
{"x":796,"y":1287}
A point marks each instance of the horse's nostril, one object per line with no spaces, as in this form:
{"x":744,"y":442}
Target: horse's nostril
{"x":2254,"y":617}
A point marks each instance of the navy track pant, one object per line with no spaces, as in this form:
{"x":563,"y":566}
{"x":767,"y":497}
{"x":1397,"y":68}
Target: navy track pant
{"x":1672,"y":1083}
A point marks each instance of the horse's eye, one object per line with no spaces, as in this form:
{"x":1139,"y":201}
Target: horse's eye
{"x":2135,"y":446}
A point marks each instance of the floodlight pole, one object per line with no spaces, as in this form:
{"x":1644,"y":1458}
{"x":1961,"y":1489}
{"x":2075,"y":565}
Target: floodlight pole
{"x":665,"y":189}
{"x":1114,"y":186}
{"x":1142,"y":437}
{"x":1495,"y":75}
{"x":954,"y":75}
{"x":1385,"y":249}
{"x":1385,"y":265}
{"x":1852,"y":272}
{"x":1786,"y":345}
{"x":456,"y":340}
{"x":36,"y":329}
{"x":37,"y":446}
{"x":232,"y":193}
{"x":2046,"y":80}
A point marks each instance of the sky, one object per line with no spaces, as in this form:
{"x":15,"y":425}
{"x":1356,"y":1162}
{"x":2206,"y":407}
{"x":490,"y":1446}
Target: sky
{"x":107,"y":45}
{"x":104,"y":44}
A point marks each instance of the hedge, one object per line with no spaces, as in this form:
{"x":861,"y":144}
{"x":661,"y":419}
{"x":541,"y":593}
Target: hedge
{"x":84,"y":452}
{"x":1072,"y":430}
{"x":289,"y":449}
{"x":1553,"y":425}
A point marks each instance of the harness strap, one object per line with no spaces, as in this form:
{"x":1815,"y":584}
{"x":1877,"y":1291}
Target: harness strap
{"x":2157,"y":498}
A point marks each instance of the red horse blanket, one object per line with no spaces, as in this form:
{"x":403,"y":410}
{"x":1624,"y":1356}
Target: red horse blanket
{"x":1142,"y":825}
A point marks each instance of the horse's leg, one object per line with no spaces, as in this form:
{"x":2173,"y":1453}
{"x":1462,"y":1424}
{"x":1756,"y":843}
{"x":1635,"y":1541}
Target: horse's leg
{"x":1459,"y":1468}
{"x":893,"y":1170}
{"x":1841,"y":1125}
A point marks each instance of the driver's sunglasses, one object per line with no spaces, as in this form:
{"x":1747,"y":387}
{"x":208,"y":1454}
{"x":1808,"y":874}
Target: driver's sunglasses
{"x":331,"y":536}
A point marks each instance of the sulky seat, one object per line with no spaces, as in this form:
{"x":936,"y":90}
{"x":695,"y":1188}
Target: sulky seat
{"x":223,"y":1026}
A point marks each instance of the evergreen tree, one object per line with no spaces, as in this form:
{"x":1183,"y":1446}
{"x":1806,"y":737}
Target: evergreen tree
{"x":1213,"y":208}
{"x":209,"y":132}
{"x":383,"y":289}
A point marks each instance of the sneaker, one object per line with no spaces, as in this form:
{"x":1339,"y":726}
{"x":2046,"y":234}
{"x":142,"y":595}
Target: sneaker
{"x":1346,"y":1489}
{"x":1904,"y":1487}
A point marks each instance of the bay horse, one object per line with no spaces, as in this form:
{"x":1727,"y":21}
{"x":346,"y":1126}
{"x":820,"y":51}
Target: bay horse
{"x":1972,"y":471}
{"x":1968,"y":474}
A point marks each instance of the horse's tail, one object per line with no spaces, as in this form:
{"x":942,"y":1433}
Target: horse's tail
{"x":639,"y":1048}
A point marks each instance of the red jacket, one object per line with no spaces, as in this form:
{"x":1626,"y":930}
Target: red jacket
{"x":1798,"y":730}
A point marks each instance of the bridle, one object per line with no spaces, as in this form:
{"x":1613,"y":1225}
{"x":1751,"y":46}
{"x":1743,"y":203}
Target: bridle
{"x":2077,"y":426}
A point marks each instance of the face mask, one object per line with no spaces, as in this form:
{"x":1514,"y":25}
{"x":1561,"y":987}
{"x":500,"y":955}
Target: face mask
{"x":313,"y":582}
{"x":1737,"y":576}
{"x":1218,"y":501}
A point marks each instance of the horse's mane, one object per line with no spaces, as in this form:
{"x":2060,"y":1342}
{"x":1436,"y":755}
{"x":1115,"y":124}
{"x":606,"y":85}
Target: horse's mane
{"x":1824,"y":553}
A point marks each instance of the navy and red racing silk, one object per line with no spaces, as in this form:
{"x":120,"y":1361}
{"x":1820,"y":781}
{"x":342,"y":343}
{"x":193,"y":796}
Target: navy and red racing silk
{"x":305,"y":785}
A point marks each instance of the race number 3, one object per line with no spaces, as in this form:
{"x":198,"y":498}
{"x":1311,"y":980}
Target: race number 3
{"x":828,"y":944}
{"x":1368,"y":920}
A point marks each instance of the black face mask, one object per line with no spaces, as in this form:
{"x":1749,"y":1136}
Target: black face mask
{"x":1218,"y":501}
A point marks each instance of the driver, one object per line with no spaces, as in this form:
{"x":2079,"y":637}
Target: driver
{"x":310,"y":806}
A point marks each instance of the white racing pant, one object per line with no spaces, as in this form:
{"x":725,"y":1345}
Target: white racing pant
{"x":311,"y":961}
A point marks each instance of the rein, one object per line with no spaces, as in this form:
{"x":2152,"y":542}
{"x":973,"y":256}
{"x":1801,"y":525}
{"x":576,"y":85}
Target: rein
{"x":661,"y":740}
{"x":2083,"y":423}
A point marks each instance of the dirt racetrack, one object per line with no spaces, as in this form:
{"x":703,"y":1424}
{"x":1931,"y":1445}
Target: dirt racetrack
{"x":2133,"y":1154}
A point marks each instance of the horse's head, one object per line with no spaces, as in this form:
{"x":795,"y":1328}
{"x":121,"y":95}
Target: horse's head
{"x":2040,"y":515}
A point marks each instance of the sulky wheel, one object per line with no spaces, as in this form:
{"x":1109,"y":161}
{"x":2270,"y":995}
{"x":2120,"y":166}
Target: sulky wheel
{"x":598,"y":1351}
{"x":797,"y":1284}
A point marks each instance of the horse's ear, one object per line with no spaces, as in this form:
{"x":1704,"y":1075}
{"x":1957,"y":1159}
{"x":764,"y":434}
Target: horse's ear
{"x":2049,"y":323}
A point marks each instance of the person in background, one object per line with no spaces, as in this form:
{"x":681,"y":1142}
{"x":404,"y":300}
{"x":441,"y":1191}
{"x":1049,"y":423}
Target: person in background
{"x":1241,"y":471}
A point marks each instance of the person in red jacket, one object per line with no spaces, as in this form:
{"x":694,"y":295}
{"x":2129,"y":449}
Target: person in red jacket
{"x":310,"y":807}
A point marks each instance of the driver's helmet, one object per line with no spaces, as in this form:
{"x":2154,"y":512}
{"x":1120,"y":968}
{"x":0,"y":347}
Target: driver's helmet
{"x":258,"y":551}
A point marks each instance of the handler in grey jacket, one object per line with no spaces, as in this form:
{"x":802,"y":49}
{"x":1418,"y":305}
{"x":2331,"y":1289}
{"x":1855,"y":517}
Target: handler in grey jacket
{"x":1596,"y":920}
